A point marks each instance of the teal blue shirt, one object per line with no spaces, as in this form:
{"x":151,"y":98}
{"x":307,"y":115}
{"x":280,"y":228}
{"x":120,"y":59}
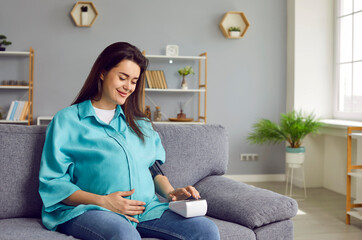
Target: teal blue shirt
{"x":83,"y":153}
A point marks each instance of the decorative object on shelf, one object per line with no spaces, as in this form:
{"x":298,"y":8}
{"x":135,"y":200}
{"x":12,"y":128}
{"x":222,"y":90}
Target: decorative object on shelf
{"x":234,"y":31}
{"x":184,"y":72}
{"x":171,"y":50}
{"x":181,"y":115}
{"x":84,"y":14}
{"x":14,"y":83}
{"x":3,"y":42}
{"x":2,"y":113}
{"x":148,"y":112}
{"x":293,"y":128}
{"x":156,"y":79}
{"x":181,"y":119}
{"x":157,"y":116}
{"x":18,"y":111}
{"x":234,"y":19}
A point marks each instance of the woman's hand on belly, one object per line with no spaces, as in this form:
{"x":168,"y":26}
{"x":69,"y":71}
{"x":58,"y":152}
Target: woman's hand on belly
{"x":117,"y":203}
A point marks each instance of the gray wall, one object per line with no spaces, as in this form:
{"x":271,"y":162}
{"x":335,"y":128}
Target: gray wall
{"x":246,"y":77}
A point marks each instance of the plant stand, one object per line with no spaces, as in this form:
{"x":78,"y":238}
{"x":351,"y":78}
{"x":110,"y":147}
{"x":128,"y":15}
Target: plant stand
{"x":289,"y":180}
{"x":294,"y":160}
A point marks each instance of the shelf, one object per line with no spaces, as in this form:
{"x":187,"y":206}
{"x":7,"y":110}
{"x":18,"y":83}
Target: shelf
{"x":20,"y":122}
{"x":169,"y":122}
{"x":13,"y":87}
{"x":173,"y":90}
{"x":12,"y":53}
{"x":176,"y":57}
{"x":354,"y":174}
{"x":356,"y":134}
{"x":91,"y":13}
{"x":355,"y":214}
{"x":234,"y":19}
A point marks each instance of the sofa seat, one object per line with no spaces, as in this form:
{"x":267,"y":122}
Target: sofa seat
{"x":32,"y":228}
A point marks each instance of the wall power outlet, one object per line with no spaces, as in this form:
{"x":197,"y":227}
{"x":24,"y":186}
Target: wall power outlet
{"x":249,"y":156}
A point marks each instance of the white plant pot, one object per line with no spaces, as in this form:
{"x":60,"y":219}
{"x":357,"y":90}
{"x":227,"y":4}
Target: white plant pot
{"x":295,"y":157}
{"x":234,"y":34}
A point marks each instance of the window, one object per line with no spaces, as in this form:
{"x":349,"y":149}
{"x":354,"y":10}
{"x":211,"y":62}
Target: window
{"x":349,"y":59}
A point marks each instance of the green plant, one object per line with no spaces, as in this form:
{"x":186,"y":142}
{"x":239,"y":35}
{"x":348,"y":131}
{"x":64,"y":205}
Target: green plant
{"x":3,"y":41}
{"x":293,"y":128}
{"x":186,"y":71}
{"x":234,"y":29}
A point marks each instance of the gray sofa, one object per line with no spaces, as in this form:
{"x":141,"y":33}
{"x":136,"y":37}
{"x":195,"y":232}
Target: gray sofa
{"x":195,"y":155}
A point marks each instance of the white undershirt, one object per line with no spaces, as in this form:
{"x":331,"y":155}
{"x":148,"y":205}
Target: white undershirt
{"x":105,"y":115}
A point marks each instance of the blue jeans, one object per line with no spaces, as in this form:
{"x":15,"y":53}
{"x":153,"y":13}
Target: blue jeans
{"x":97,"y":225}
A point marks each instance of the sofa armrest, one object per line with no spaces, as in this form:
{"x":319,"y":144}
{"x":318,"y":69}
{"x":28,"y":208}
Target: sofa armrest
{"x":244,"y":204}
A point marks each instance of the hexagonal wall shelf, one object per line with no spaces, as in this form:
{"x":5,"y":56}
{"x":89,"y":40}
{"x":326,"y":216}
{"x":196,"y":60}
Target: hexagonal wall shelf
{"x":84,"y":14}
{"x":234,"y":19}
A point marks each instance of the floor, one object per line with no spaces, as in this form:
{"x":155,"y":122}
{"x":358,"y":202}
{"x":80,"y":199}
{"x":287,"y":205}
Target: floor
{"x":321,"y":215}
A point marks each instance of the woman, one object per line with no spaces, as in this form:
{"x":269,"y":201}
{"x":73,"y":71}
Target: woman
{"x":94,"y":177}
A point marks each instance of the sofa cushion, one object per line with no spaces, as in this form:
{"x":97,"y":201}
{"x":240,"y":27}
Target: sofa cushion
{"x":27,"y":228}
{"x":282,"y":230}
{"x":193,"y":152}
{"x":244,"y":204}
{"x":32,"y":228}
{"x":20,"y":152}
{"x":233,"y":231}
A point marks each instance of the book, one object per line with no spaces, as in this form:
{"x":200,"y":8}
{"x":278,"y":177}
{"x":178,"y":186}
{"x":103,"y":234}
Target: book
{"x":158,"y":79}
{"x":14,"y":110}
{"x":149,"y":80}
{"x":18,"y":111}
{"x":155,"y":79}
{"x":10,"y":110}
{"x":163,"y":79}
{"x":162,"y":84}
{"x":24,"y":112}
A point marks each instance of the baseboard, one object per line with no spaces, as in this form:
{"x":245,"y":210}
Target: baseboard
{"x":257,"y":177}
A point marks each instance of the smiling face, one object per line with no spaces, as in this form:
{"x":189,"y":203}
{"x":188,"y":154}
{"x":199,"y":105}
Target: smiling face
{"x":118,"y":84}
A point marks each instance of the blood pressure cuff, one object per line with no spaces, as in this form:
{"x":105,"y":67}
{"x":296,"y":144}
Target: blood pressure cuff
{"x":156,"y":170}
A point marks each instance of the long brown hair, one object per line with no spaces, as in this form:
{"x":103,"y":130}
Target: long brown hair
{"x":108,"y":59}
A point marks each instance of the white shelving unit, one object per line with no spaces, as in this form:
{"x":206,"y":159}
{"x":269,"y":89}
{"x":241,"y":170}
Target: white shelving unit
{"x":28,"y":87}
{"x":353,"y":170}
{"x":201,"y":90}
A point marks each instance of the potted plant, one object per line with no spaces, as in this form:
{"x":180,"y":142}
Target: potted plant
{"x":234,"y":31}
{"x":3,"y":42}
{"x":293,"y":128}
{"x":184,"y":72}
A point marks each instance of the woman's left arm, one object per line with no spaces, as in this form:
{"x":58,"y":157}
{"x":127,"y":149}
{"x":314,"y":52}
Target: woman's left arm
{"x":165,"y":189}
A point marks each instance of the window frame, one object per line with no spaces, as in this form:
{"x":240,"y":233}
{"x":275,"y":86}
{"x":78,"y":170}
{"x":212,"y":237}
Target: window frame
{"x":338,"y":114}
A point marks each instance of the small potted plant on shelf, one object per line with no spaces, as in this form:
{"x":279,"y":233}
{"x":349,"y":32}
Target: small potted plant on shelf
{"x":234,"y":31}
{"x":184,"y":72}
{"x":293,"y":128}
{"x":3,"y":42}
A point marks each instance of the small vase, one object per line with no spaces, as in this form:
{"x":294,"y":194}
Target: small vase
{"x":184,"y":83}
{"x":295,"y":157}
{"x":235,"y":33}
